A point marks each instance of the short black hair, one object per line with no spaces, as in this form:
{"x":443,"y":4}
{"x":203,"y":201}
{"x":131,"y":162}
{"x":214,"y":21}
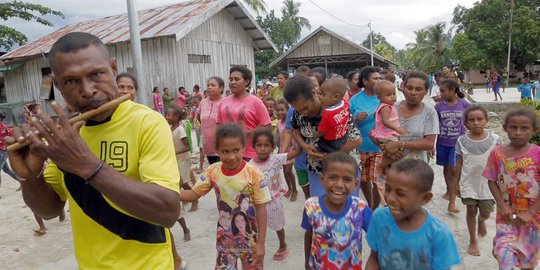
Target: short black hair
{"x":181,"y":88}
{"x":263,"y":132}
{"x":298,"y":87}
{"x":319,"y":73}
{"x":364,"y":74}
{"x":283,"y":102}
{"x":246,"y":73}
{"x":522,"y":112}
{"x":422,"y":172}
{"x":473,"y":108}
{"x":284,"y":73}
{"x":180,"y":112}
{"x":418,"y":75}
{"x":230,"y":130}
{"x":72,"y":43}
{"x":270,"y":99}
{"x":155,"y":89}
{"x":196,"y":87}
{"x":131,"y":77}
{"x":339,"y":157}
{"x":219,"y":80}
{"x":302,"y":69}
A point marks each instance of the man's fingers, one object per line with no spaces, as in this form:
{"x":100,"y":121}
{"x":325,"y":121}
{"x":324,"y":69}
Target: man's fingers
{"x":46,"y":122}
{"x":43,"y":131}
{"x":64,"y":120}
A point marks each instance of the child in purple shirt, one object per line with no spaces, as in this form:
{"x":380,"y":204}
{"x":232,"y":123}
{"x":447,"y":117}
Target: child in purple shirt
{"x":450,"y":111}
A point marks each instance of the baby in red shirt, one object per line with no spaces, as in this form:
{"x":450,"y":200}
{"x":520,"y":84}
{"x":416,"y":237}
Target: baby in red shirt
{"x":334,"y":123}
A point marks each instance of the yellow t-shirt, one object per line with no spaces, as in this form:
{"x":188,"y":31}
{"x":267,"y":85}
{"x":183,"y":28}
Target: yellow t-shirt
{"x":237,"y":192}
{"x":277,"y":93}
{"x":137,"y":142}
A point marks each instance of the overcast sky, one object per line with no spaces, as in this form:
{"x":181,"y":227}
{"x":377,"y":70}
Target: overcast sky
{"x":395,"y":19}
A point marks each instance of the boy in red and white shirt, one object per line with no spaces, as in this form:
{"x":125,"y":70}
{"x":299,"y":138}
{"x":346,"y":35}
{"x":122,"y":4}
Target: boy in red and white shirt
{"x":333,"y":125}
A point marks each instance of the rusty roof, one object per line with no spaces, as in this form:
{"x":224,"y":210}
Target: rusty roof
{"x":173,"y":20}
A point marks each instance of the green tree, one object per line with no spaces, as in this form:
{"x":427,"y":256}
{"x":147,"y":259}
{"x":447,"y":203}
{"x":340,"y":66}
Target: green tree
{"x":258,"y":6}
{"x":432,"y":47}
{"x":378,"y":38}
{"x":384,"y":50}
{"x":468,"y":53}
{"x":487,"y":24}
{"x":10,"y":37}
{"x":291,"y":19}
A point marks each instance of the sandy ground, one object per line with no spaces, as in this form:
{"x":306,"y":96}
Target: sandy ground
{"x":20,"y":249}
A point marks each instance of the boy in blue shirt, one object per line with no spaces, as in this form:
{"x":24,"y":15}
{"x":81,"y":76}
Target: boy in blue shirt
{"x":526,"y":89}
{"x":334,"y":221}
{"x":404,"y":235}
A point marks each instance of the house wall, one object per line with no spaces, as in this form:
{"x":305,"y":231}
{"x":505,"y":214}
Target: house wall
{"x":323,"y":44}
{"x":165,"y":60}
{"x":24,"y":84}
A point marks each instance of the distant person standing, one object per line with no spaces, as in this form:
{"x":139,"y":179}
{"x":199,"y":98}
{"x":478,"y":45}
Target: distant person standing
{"x":449,"y":74}
{"x":526,"y":89}
{"x":197,"y":91}
{"x":207,"y":113}
{"x":352,"y":81}
{"x":181,"y":98}
{"x":167,"y":99}
{"x":496,"y":81}
{"x":243,"y":108}
{"x":158,"y":103}
{"x":127,"y":85}
{"x":277,"y":92}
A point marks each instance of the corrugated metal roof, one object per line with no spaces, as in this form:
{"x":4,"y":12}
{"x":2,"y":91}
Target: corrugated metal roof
{"x":172,"y":20}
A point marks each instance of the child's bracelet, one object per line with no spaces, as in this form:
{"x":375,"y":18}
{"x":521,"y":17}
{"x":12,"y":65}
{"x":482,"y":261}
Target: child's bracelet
{"x":402,"y":146}
{"x":98,"y":168}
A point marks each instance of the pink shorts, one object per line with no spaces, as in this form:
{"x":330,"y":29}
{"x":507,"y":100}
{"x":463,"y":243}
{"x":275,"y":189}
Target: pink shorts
{"x":516,"y":246}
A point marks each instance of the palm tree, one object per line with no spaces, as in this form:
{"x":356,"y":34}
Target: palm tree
{"x":432,"y":48}
{"x":256,"y":5}
{"x":290,"y":12}
{"x":384,"y":50}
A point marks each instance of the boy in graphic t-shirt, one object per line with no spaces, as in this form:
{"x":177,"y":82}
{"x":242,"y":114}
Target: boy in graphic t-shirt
{"x":333,"y":125}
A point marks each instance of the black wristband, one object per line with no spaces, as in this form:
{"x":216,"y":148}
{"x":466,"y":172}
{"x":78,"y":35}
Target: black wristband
{"x":98,"y":168}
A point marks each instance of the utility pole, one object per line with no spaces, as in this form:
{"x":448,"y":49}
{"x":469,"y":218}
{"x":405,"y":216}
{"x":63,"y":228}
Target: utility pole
{"x":371,"y":42}
{"x":509,"y":40}
{"x":136,"y":52}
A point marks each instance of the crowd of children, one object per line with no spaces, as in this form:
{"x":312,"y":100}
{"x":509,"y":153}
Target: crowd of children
{"x":402,"y":234}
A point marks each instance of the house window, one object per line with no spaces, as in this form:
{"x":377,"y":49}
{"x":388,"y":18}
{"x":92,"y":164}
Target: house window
{"x":199,"y":59}
{"x":47,"y":90}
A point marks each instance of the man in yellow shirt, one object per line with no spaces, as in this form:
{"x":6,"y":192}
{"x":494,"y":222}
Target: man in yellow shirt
{"x":277,"y":92}
{"x":117,"y":172}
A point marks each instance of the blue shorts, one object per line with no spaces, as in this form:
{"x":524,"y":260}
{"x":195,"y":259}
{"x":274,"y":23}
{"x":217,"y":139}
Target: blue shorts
{"x":446,"y":155}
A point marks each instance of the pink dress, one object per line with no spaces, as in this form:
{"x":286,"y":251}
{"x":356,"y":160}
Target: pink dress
{"x":208,"y":113}
{"x":158,"y":104}
{"x":380,"y":130}
{"x":249,"y":112}
{"x":181,"y":100}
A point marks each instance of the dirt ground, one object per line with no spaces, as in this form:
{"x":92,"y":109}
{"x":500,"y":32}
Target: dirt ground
{"x":20,"y":249}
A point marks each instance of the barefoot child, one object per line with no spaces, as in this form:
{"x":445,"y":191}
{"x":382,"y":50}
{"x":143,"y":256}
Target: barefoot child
{"x":472,"y":151}
{"x":186,"y":123}
{"x":240,"y":234}
{"x":405,"y":235}
{"x":334,"y":221}
{"x":281,"y":114}
{"x":450,"y":112}
{"x":333,"y":125}
{"x":270,"y":165}
{"x":386,"y":119}
{"x":514,"y":178}
{"x":181,"y":148}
